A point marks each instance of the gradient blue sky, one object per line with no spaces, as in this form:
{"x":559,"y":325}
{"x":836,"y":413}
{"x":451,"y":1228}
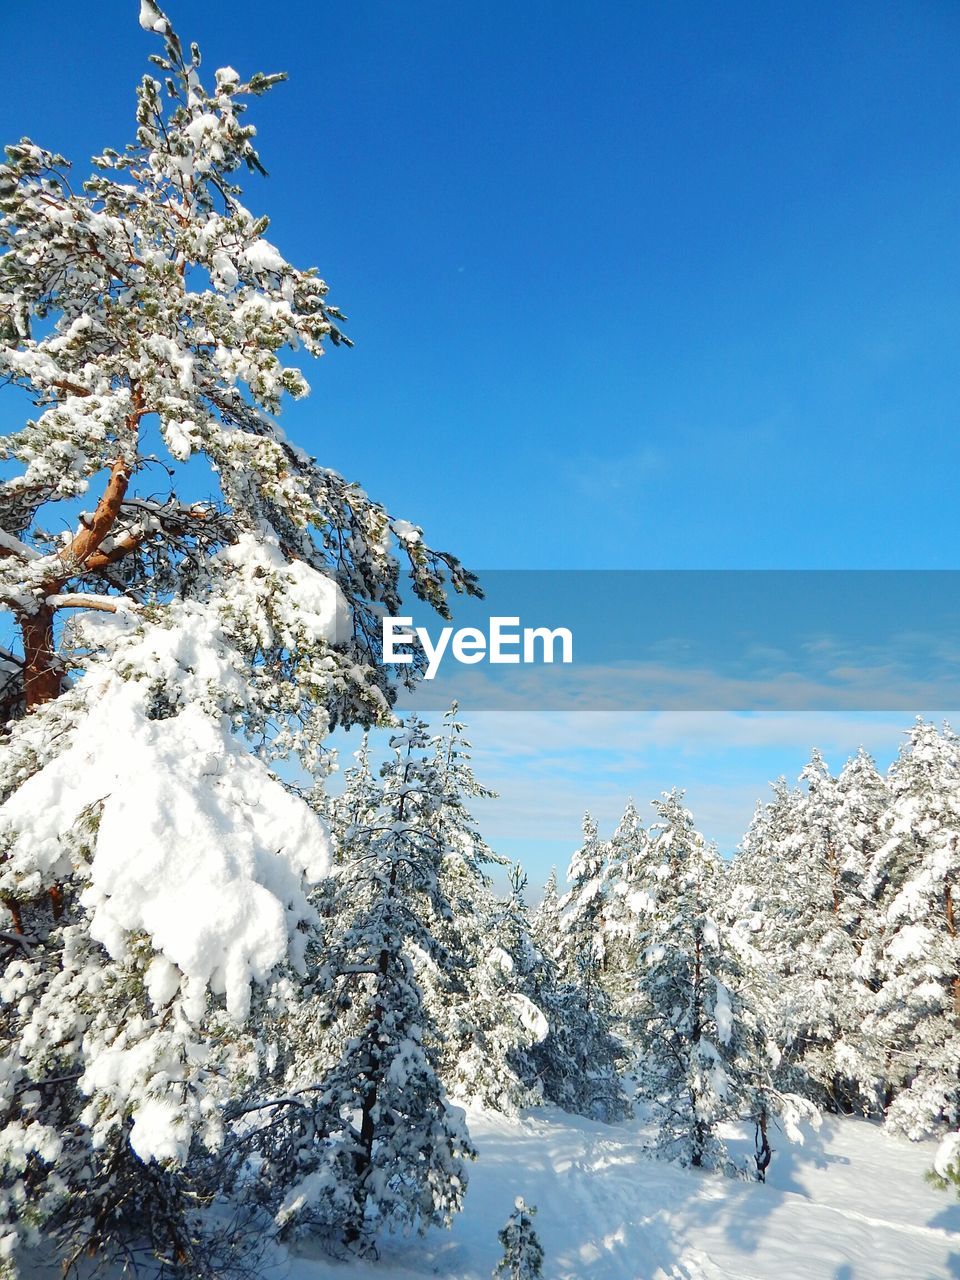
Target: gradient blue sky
{"x":632,"y":285}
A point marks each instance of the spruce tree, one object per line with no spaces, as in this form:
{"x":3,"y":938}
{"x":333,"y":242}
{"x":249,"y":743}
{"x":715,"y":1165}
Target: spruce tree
{"x":464,"y":876}
{"x":362,"y":1137}
{"x":629,"y":884}
{"x":582,"y":946}
{"x":522,"y":1252}
{"x":798,"y":887}
{"x":497,"y":1016}
{"x":357,"y":802}
{"x":705,"y":1058}
{"x":577,"y":1065}
{"x":916,"y":879}
{"x":545,"y":921}
{"x":827,"y":997}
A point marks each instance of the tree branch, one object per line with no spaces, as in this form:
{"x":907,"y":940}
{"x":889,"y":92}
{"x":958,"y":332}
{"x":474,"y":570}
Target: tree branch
{"x":83,"y":600}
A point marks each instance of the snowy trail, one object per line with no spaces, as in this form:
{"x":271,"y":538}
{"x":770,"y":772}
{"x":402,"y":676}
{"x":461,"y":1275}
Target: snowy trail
{"x":851,"y":1204}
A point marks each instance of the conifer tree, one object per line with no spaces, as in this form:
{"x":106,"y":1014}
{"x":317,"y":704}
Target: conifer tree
{"x":478,"y":1000}
{"x":946,"y":1163}
{"x":826,"y":996}
{"x":577,"y":1065}
{"x":799,"y":886}
{"x":581,"y":954}
{"x":704,"y":1054}
{"x":365,"y":1138}
{"x":498,"y":1018}
{"x":545,"y":921}
{"x":522,"y":1252}
{"x":358,"y":801}
{"x":153,"y":869}
{"x":629,"y":884}
{"x":916,"y":879}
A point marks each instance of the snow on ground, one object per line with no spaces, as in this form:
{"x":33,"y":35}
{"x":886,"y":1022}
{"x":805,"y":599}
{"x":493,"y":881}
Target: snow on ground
{"x":850,"y":1204}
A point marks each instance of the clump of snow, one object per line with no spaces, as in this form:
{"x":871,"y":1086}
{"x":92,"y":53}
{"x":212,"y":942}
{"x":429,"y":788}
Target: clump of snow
{"x":406,"y":532}
{"x":181,"y":437}
{"x":641,"y":903}
{"x":197,"y":844}
{"x":162,"y":981}
{"x":301,"y":597}
{"x":160,"y":1131}
{"x":223,"y":267}
{"x":912,"y":942}
{"x":152,"y":18}
{"x":261,"y":255}
{"x":531,"y":1017}
{"x":723,"y":1013}
{"x":710,"y":934}
{"x":948,"y":1154}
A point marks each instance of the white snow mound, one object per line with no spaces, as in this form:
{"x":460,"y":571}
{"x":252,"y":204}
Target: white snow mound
{"x":198,"y":845}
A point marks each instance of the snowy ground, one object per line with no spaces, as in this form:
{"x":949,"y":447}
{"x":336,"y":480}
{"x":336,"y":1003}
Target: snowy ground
{"x":851,"y":1204}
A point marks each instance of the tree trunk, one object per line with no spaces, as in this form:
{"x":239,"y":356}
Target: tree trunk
{"x":42,"y":673}
{"x":699,"y":1135}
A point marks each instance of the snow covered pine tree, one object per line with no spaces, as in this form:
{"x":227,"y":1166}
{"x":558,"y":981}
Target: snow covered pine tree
{"x":704,"y":1056}
{"x":479,"y":1002}
{"x":915,"y":876}
{"x":361,"y":1134}
{"x":153,"y":869}
{"x":522,"y":1252}
{"x":577,"y":1066}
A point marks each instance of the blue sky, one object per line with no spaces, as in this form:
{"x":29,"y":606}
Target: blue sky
{"x":632,"y":286}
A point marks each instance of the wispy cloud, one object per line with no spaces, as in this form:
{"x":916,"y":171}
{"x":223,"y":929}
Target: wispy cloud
{"x":595,"y":476}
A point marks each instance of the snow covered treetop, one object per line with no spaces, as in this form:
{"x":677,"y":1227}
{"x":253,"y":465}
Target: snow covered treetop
{"x":148,"y":318}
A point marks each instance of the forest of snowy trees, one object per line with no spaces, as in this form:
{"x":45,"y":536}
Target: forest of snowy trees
{"x":235,"y":1006}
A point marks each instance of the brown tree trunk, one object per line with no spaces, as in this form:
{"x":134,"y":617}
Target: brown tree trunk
{"x":42,"y":676}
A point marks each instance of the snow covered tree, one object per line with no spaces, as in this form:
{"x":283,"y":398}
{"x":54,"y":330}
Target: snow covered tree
{"x":916,"y":879}
{"x":357,"y":802}
{"x":581,"y":952}
{"x":577,"y":1065}
{"x":476,"y":998}
{"x":946,"y":1163}
{"x":467,"y":853}
{"x":153,"y":869}
{"x":361,"y":1137}
{"x":799,"y":881}
{"x":522,"y":1252}
{"x":545,"y":921}
{"x":629,"y":881}
{"x":824,"y":996}
{"x":862,"y":798}
{"x":624,"y":871}
{"x":496,"y":1021}
{"x":705,"y":1059}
